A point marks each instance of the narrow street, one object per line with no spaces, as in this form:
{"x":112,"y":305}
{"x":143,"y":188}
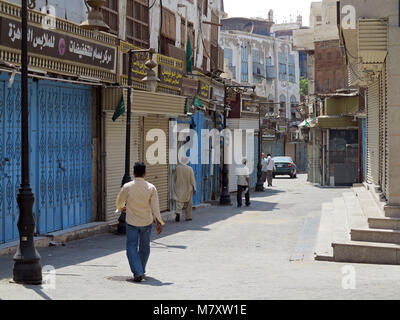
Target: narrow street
{"x":224,"y":253}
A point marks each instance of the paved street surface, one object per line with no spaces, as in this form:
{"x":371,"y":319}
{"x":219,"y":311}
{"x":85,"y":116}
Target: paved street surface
{"x":261,"y":252}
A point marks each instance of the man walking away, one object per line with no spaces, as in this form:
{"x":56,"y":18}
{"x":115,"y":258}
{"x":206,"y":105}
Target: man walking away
{"x":263,"y":168}
{"x":270,"y":169}
{"x":184,"y":184}
{"x":243,"y":184}
{"x":139,"y":199}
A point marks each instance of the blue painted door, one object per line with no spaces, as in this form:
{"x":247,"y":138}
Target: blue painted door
{"x":10,"y":156}
{"x":197,"y":125}
{"x":206,"y":188}
{"x":60,"y":155}
{"x":364,"y":146}
{"x":64,"y":160}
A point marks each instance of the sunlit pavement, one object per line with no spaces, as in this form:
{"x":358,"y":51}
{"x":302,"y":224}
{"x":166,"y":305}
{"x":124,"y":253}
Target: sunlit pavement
{"x":264,"y":251}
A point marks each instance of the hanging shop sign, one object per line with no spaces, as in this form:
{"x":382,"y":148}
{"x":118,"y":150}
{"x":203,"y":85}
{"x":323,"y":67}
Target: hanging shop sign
{"x":139,"y":68}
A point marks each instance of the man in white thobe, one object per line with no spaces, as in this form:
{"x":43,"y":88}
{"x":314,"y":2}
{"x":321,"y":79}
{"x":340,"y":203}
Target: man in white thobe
{"x":184,"y":185}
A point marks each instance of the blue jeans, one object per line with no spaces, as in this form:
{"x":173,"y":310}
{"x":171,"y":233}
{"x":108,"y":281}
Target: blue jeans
{"x":138,"y":236}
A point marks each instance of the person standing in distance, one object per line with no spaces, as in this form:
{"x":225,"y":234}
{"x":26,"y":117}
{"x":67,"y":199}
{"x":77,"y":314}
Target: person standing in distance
{"x":270,"y":169}
{"x":263,"y":168}
{"x":139,"y":199}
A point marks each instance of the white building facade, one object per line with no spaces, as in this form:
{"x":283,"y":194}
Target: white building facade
{"x":266,"y":62}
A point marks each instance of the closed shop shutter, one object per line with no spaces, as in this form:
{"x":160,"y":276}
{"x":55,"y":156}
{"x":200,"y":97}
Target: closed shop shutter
{"x":157,"y":174}
{"x":115,"y":133}
{"x":373,"y":134}
{"x":384,"y":134}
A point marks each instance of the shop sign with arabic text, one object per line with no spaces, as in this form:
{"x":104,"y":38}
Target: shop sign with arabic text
{"x":204,"y":86}
{"x":56,"y":45}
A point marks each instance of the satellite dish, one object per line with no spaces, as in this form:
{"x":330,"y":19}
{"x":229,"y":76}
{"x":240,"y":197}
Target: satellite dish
{"x":249,"y":27}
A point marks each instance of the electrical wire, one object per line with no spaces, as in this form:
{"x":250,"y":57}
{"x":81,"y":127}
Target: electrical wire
{"x":154,"y":2}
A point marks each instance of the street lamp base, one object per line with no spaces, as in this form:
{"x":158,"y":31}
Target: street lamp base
{"x":27,"y":272}
{"x":225,"y":200}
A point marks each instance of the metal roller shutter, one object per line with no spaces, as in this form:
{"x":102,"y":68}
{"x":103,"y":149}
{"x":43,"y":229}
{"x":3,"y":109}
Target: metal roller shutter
{"x":384,"y":138}
{"x":115,"y":133}
{"x":373,"y":134}
{"x":157,"y":174}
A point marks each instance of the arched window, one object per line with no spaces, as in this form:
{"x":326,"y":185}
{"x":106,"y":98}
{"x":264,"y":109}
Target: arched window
{"x":270,"y":98}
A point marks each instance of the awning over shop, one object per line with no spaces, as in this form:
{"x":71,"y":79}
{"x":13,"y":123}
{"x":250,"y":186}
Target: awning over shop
{"x":145,"y":102}
{"x":308,"y":123}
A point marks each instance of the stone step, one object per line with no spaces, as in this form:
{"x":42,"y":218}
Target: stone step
{"x":355,"y":214}
{"x":376,"y":235}
{"x":384,"y":223}
{"x":367,"y":203}
{"x":323,"y":246}
{"x":333,"y":227}
{"x":340,"y":224}
{"x":366,"y":252}
{"x":376,"y":194}
{"x":392,"y":211}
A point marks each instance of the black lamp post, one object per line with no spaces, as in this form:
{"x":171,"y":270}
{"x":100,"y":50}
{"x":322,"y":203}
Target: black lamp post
{"x":260,"y":183}
{"x":151,"y":80}
{"x":27,"y":268}
{"x":225,"y":198}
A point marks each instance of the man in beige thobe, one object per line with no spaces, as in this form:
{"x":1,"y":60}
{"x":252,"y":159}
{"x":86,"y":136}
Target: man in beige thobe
{"x":184,"y":184}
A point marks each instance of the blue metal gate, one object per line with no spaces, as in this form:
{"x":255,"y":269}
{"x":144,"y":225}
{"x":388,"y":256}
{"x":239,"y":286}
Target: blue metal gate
{"x":197,"y":125}
{"x":364,"y":146}
{"x":206,"y":187}
{"x":60,"y":155}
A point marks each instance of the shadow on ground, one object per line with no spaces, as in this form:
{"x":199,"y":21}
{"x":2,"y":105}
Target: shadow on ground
{"x":78,"y":253}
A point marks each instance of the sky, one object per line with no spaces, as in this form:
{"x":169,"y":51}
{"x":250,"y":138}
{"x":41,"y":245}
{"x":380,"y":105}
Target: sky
{"x":283,"y":9}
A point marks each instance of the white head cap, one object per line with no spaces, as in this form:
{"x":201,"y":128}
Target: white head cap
{"x":184,"y":160}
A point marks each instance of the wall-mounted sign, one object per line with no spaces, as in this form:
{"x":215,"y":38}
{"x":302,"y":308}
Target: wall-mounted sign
{"x":170,"y":76}
{"x":204,"y":85}
{"x":170,"y":73}
{"x":53,"y":44}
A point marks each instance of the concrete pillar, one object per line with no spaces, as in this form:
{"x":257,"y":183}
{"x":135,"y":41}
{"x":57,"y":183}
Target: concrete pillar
{"x":393,"y":100}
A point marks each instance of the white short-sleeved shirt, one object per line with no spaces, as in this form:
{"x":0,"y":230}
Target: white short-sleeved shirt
{"x":270,"y":164}
{"x":242,"y":174}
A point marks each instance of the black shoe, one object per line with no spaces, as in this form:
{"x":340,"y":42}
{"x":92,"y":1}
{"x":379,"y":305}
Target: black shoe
{"x":190,"y":219}
{"x":239,"y":205}
{"x":177,"y":217}
{"x":247,"y":204}
{"x":138,"y":279}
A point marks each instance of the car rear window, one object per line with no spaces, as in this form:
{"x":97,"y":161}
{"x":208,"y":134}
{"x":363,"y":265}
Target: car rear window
{"x":282,"y":159}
